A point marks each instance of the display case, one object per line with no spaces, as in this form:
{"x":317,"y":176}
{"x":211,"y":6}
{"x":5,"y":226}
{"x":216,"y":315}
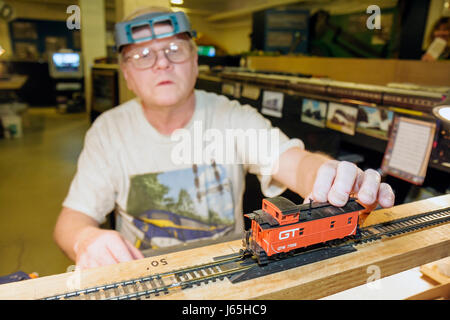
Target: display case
{"x":285,"y":31}
{"x":105,"y":90}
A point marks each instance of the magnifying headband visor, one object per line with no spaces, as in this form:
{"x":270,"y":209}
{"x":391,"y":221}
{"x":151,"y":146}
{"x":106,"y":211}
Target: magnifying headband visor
{"x":142,"y":28}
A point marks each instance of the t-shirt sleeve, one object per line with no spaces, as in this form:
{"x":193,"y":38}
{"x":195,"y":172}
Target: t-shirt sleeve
{"x":92,"y":191}
{"x":260,"y":156}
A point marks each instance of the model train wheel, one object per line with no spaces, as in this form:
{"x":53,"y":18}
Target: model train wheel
{"x":263,"y":259}
{"x":246,"y":239}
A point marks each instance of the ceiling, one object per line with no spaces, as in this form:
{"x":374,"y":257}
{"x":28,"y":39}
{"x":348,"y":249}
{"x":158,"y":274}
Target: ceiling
{"x":223,"y":10}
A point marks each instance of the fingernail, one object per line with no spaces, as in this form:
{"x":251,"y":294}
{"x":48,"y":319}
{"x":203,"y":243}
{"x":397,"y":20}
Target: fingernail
{"x":321,"y":197}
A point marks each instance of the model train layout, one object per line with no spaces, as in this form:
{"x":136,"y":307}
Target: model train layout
{"x":281,"y":227}
{"x":321,"y":233}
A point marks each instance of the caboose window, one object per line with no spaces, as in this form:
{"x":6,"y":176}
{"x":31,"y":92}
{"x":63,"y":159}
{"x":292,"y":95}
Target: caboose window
{"x":332,"y":224}
{"x":349,"y":221}
{"x":301,"y":231}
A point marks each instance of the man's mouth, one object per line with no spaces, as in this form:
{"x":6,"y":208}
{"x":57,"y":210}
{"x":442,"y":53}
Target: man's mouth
{"x":165,"y":82}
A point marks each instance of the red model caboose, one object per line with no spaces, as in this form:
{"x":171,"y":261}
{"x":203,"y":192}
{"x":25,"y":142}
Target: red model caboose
{"x":282,"y":226}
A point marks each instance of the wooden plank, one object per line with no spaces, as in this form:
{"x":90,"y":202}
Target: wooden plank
{"x":437,"y":293}
{"x":431,"y":270}
{"x":312,"y":281}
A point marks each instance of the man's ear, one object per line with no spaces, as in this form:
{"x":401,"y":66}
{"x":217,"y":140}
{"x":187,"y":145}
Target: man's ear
{"x":196,"y":64}
{"x":126,"y":76}
{"x":124,"y":70}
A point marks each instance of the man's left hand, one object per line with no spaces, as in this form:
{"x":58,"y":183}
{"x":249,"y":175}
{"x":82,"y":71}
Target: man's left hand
{"x":337,"y":180}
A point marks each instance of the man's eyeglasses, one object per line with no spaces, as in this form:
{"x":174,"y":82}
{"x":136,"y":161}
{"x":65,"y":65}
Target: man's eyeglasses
{"x":177,"y":51}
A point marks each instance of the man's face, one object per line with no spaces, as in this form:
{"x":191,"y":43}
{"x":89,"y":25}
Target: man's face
{"x":443,"y":32}
{"x":165,"y":83}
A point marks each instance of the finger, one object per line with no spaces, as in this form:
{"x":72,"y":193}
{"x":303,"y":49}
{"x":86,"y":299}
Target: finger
{"x":104,"y":258}
{"x":308,"y":199}
{"x":324,"y":180}
{"x":135,"y":252}
{"x":386,"y":196}
{"x":86,"y":262}
{"x":369,"y":189}
{"x":359,"y":180}
{"x":344,"y":181}
{"x":92,"y":263}
{"x":82,"y":263}
{"x":118,"y":249}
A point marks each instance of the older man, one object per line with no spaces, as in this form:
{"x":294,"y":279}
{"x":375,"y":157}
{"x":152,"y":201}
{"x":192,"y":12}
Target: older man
{"x":131,"y":162}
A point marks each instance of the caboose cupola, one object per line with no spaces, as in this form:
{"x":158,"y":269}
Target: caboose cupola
{"x":282,"y":209}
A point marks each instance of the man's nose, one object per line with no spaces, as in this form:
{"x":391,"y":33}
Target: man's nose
{"x":161,"y":60}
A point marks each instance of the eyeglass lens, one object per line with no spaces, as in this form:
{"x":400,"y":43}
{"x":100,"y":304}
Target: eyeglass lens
{"x":175,"y":52}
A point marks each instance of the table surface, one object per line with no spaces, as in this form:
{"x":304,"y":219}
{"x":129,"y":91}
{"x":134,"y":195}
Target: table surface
{"x":15,"y":82}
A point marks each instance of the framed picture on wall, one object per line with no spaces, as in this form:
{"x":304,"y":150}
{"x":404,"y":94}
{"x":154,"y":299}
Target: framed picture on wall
{"x":374,"y":122}
{"x":26,"y":51}
{"x":342,"y":117}
{"x":272,"y":103}
{"x":54,"y":44}
{"x":314,"y":112}
{"x":24,"y":30}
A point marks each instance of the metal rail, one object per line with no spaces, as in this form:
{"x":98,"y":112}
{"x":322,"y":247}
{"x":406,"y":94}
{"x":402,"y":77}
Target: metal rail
{"x":180,"y":279}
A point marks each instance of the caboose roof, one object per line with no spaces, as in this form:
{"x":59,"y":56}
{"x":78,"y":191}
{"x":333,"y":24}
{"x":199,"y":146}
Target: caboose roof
{"x":286,"y":206}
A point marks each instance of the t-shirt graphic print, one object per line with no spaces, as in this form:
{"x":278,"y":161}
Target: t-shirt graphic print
{"x":181,"y":205}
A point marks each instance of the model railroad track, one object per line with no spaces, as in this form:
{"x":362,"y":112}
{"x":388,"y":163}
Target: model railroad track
{"x":404,"y":225}
{"x":164,"y":283}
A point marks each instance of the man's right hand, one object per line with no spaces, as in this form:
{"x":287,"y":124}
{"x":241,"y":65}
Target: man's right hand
{"x":82,"y":240}
{"x":96,"y":247}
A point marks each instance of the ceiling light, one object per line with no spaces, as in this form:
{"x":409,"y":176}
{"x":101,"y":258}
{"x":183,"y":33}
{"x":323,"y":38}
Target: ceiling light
{"x":178,"y":2}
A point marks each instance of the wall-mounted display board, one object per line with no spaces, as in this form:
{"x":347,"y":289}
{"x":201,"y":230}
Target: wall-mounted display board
{"x":373,"y":114}
{"x":33,"y":39}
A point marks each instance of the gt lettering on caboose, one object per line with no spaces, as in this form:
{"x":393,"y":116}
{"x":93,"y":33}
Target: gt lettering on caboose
{"x":287,"y":234}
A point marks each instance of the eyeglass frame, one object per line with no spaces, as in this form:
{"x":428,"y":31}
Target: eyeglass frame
{"x":193,"y":46}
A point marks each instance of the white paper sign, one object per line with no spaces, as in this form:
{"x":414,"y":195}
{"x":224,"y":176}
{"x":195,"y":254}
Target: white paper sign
{"x":410,"y":147}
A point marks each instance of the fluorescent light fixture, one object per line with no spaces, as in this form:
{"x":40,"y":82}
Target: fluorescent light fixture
{"x":442,"y":110}
{"x":179,"y":2}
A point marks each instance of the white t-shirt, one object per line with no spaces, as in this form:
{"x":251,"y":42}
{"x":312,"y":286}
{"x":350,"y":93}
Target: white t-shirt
{"x":167,"y":190}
